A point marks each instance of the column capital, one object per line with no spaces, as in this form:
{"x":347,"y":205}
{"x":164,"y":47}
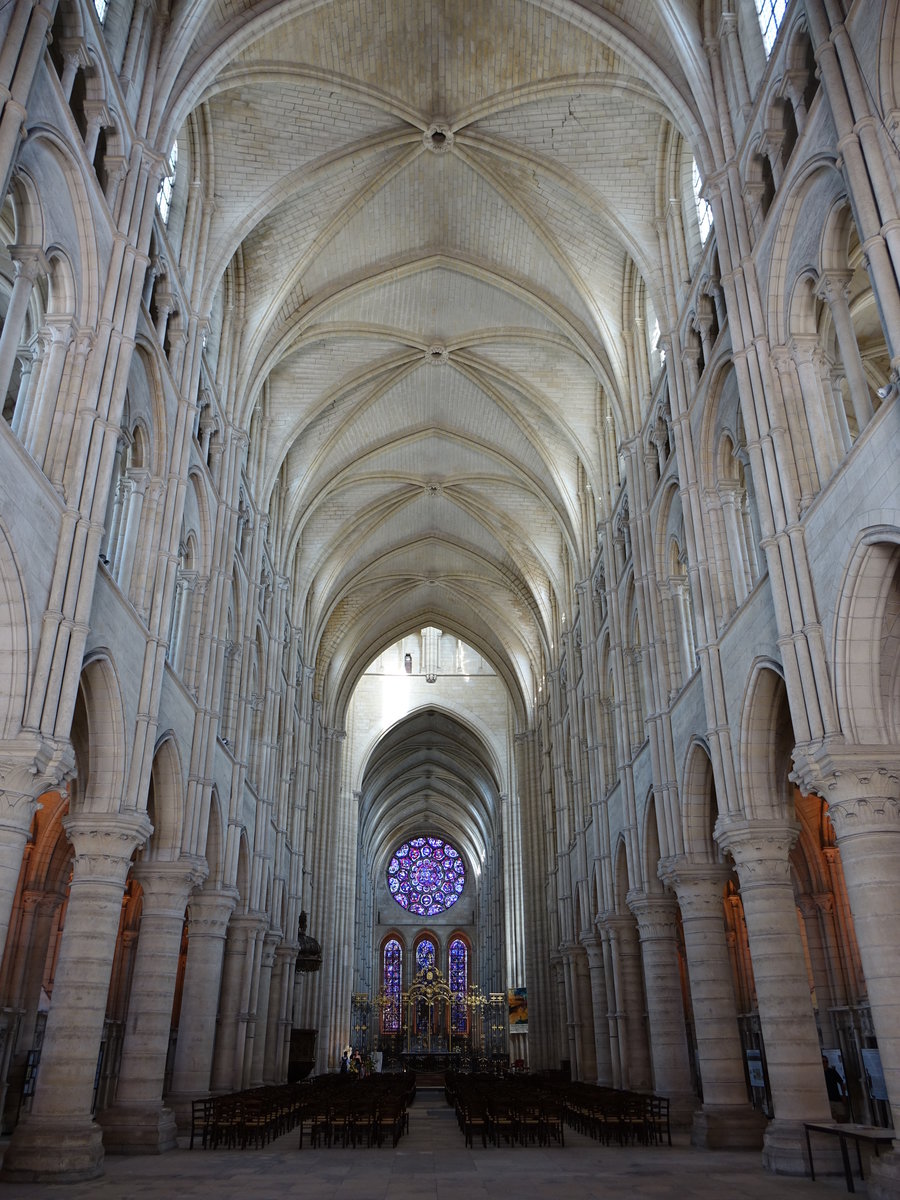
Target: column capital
{"x":105,"y":842}
{"x":210,"y":911}
{"x":656,"y":915}
{"x":760,"y":848}
{"x":700,"y":887}
{"x":861,"y":785}
{"x":29,"y":262}
{"x":29,"y":766}
{"x":167,"y":885}
{"x":615,"y":924}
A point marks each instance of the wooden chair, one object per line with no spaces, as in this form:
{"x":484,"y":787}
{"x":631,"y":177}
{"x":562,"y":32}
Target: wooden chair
{"x":201,"y":1120}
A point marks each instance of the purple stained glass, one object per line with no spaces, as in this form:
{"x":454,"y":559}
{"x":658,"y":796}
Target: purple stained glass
{"x":426,"y":875}
{"x":459,"y":982}
{"x":425,"y":954}
{"x":393,"y":960}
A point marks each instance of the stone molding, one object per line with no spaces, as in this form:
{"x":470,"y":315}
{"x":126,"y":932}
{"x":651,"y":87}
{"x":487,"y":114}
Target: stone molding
{"x":699,"y":887}
{"x":28,"y":767}
{"x":760,"y":848}
{"x":657,"y":916}
{"x":168,"y":884}
{"x":104,"y":844}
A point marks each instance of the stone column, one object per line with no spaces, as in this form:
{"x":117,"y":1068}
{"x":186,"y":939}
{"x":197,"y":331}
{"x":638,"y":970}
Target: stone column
{"x":58,"y":1140}
{"x":228,"y":1057}
{"x":657,"y":925}
{"x":208,"y":916}
{"x":278,"y":1024}
{"x":834,"y":290}
{"x":584,"y":1014}
{"x":266,"y":962}
{"x":603,"y":1054}
{"x":726,"y":1120}
{"x":566,"y":1047}
{"x":29,"y":263}
{"x":862,"y":787}
{"x":27,"y":769}
{"x":760,"y":850}
{"x":138,"y":1122}
{"x":614,"y":1018}
{"x":573,"y":1013}
{"x":626,"y":955}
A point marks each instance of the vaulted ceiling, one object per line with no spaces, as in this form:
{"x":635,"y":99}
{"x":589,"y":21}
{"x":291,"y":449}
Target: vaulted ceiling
{"x":436,"y":207}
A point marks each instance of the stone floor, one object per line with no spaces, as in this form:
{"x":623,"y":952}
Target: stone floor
{"x":431,"y":1163}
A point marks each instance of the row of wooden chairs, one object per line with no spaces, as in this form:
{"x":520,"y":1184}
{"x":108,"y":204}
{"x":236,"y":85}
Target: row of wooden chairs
{"x":515,"y":1112}
{"x":616,"y":1115}
{"x":365,"y":1112}
{"x":252,"y":1117}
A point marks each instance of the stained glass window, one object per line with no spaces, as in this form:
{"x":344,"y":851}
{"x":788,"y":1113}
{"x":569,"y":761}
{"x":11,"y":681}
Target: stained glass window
{"x":426,"y":875}
{"x":771,"y":14}
{"x":459,"y":982}
{"x":704,"y":212}
{"x":167,"y":185}
{"x":391,"y":979}
{"x":425,"y":954}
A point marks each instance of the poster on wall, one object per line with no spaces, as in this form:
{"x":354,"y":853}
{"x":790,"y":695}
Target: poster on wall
{"x":518,"y":1010}
{"x":874,"y":1073}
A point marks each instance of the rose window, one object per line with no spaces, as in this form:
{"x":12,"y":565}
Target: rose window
{"x":426,"y":875}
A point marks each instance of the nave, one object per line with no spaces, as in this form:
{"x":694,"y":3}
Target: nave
{"x":429,"y":1164}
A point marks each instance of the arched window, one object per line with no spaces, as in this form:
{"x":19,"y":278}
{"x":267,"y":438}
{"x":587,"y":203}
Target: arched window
{"x":426,"y":875}
{"x":391,"y":983}
{"x":770,"y":14}
{"x":459,"y":984}
{"x":101,"y":6}
{"x":704,"y":212}
{"x":426,"y":954}
{"x":167,"y":184}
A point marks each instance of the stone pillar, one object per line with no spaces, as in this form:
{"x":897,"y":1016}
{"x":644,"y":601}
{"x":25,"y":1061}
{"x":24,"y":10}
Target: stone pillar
{"x":29,"y":263}
{"x":208,"y":916}
{"x":584,"y":1014}
{"x":208,"y":924}
{"x":573,"y":1013}
{"x":566,"y":1045}
{"x":27,"y":768}
{"x":626,"y":954}
{"x":260,"y":1038}
{"x":228,"y":1056}
{"x":834,"y":290}
{"x":613,"y":1017}
{"x":58,"y":1140}
{"x":138,"y":1122}
{"x":603,"y":1054}
{"x":657,"y":925}
{"x":862,"y":787}
{"x":760,"y":850}
{"x":726,"y":1120}
{"x":278,"y":1024}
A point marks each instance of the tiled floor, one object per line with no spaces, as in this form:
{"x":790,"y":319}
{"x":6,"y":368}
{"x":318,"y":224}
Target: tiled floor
{"x":431,"y":1163}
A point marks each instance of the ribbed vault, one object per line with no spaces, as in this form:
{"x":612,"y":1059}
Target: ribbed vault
{"x":433,"y":267}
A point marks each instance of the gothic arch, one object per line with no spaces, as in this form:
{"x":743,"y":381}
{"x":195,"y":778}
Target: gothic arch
{"x":866,"y":640}
{"x":14,"y":641}
{"x":167,"y":788}
{"x":98,"y":737}
{"x":699,"y":807}
{"x":214,"y":848}
{"x":623,"y":878}
{"x":654,"y":846}
{"x":766,"y":745}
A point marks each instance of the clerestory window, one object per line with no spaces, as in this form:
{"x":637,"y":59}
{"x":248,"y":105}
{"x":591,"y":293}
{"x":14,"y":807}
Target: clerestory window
{"x":167,"y":185}
{"x":770,"y":14}
{"x":704,"y":212}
